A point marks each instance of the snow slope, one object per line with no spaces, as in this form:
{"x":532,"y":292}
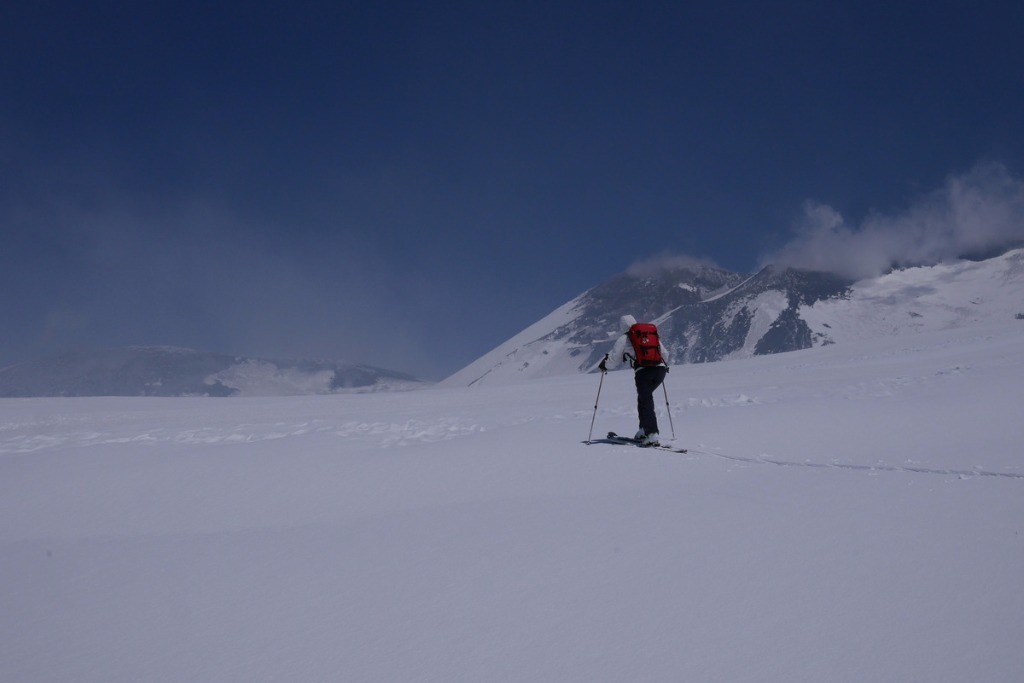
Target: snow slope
{"x":512,"y":360}
{"x":853,"y":512}
{"x":765,"y":309}
{"x":944,"y":296}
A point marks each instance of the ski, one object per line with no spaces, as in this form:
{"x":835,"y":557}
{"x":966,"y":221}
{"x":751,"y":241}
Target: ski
{"x":612,"y":436}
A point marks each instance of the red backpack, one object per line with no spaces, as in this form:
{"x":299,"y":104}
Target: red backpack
{"x":646,"y":346}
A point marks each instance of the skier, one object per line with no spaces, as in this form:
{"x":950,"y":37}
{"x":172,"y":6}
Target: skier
{"x":639,"y":344}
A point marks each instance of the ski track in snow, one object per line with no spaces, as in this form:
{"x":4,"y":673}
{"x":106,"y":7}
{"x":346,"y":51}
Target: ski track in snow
{"x":871,"y":469}
{"x":389,"y":434}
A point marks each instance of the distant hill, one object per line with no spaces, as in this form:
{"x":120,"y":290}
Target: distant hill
{"x":708,"y":314}
{"x":172,"y":371}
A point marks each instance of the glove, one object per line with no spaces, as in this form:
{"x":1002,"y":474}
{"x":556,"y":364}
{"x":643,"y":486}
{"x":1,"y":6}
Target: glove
{"x":602,"y":366}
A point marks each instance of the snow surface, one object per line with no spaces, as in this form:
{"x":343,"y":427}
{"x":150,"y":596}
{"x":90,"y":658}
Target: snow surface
{"x":766,"y":308}
{"x":944,"y":296}
{"x":853,"y":512}
{"x":511,"y":361}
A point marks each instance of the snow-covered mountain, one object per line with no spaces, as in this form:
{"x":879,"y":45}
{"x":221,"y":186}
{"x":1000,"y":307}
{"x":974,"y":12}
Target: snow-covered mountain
{"x":172,"y":371}
{"x":709,"y":314}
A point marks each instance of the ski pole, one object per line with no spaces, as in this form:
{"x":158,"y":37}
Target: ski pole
{"x":596,"y":401}
{"x":669,"y":409}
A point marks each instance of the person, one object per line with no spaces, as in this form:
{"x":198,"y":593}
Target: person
{"x":646,"y":355}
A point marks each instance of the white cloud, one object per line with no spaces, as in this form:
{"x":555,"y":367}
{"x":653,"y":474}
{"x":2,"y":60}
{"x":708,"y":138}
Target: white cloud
{"x":976,"y":211}
{"x":666,"y":261}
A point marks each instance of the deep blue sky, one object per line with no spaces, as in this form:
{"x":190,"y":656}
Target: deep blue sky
{"x":409,"y":184}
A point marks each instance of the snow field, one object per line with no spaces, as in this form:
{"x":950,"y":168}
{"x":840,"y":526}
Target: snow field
{"x":847,"y":513}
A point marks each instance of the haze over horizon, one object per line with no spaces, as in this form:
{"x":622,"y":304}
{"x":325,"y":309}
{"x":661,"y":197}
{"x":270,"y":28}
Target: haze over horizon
{"x":407,"y":186}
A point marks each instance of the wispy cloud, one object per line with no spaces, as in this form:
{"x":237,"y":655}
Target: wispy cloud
{"x":977,"y":211}
{"x":666,"y":261}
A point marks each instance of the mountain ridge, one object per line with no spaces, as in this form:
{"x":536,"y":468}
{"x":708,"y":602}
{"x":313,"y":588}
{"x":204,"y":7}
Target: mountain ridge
{"x":707,"y":314}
